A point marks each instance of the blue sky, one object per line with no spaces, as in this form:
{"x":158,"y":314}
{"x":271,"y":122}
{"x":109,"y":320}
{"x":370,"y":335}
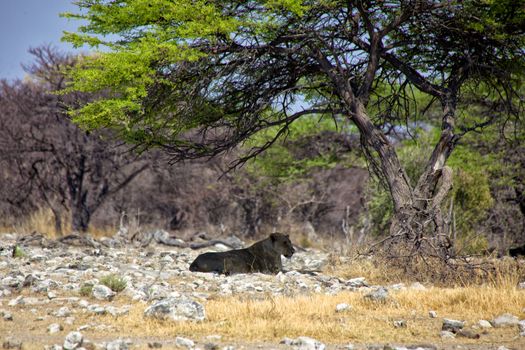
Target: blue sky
{"x":31,"y":23}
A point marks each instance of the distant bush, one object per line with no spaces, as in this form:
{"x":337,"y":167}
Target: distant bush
{"x":86,"y":289}
{"x":114,"y":282}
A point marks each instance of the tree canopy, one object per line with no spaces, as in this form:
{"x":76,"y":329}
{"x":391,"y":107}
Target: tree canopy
{"x":199,"y":77}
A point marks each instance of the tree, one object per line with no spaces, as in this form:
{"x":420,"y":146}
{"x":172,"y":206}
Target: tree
{"x":50,"y":158}
{"x":199,"y":77}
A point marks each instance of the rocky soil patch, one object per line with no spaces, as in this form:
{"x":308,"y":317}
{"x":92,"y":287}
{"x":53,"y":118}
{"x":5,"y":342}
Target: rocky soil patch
{"x":64,"y":279}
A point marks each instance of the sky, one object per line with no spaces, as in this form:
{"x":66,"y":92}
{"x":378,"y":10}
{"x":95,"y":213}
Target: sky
{"x":31,"y":23}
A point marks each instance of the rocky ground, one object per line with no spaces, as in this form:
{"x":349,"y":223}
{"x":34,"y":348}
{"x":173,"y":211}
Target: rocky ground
{"x":51,"y":294}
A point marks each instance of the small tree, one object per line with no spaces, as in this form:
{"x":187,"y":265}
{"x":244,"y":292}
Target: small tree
{"x":50,"y":158}
{"x":199,"y":77}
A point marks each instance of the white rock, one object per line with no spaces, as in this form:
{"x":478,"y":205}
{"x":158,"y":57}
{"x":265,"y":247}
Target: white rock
{"x":342,"y":307}
{"x":307,"y":343}
{"x":484,"y":324}
{"x":184,"y":342}
{"x":62,"y":312}
{"x":432,"y":314}
{"x":447,"y":335}
{"x":505,"y":320}
{"x":102,"y":292}
{"x":119,"y":344}
{"x":54,"y":328}
{"x":176,"y":309}
{"x":73,"y":340}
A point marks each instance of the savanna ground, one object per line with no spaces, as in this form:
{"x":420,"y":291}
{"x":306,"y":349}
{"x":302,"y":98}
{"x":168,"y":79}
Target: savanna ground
{"x":247,"y":322}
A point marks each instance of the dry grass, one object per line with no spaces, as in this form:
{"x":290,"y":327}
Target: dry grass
{"x":245,"y":320}
{"x":239,"y":319}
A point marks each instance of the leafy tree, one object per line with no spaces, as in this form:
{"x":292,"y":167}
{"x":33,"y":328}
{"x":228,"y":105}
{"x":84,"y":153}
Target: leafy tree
{"x":199,"y":77}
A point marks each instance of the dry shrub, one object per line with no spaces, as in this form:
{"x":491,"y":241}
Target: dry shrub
{"x":460,"y":272}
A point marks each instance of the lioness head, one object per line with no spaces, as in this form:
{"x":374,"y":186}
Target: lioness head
{"x":282,"y":244}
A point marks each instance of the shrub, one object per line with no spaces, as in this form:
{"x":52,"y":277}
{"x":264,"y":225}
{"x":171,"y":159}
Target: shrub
{"x":114,"y":282}
{"x":86,"y":289}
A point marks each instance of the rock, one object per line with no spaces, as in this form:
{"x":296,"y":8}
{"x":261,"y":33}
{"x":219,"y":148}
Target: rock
{"x":447,"y":335}
{"x":307,"y":343}
{"x":521,"y":325}
{"x":54,"y":328}
{"x":505,"y":320}
{"x":356,"y":282}
{"x":176,"y":309}
{"x":154,"y":345}
{"x":484,"y":324}
{"x":521,"y":285}
{"x":379,"y":295}
{"x":19,"y":300}
{"x":342,"y":307}
{"x":73,"y":340}
{"x":62,"y":312}
{"x":184,"y":342}
{"x":6,"y":316}
{"x":96,"y":309}
{"x":119,"y":344}
{"x":417,"y":286}
{"x":12,"y":344}
{"x":465,"y":333}
{"x":400,"y":324}
{"x":452,"y":325}
{"x":432,"y":314}
{"x":116,"y":312}
{"x":102,"y":292}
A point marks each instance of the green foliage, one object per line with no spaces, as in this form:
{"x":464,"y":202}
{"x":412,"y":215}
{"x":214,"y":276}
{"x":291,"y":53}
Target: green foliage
{"x":470,"y":193}
{"x":18,"y":252}
{"x":86,"y":289}
{"x":114,"y":282}
{"x":280,"y":163}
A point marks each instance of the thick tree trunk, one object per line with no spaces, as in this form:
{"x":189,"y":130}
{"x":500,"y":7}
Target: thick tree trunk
{"x":80,"y":217}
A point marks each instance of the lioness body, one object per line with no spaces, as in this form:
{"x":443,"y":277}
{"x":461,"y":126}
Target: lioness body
{"x":263,"y":256}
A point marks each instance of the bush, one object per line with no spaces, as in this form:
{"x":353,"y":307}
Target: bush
{"x":86,"y":289}
{"x":114,"y":282}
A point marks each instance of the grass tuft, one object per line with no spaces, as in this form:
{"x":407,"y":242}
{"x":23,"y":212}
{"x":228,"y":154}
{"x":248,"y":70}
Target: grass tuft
{"x":114,"y":282}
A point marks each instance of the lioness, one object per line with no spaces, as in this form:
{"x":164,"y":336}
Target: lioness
{"x":263,"y":256}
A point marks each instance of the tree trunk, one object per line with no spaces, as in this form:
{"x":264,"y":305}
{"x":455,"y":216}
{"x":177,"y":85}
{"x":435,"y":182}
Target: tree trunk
{"x":80,"y":217}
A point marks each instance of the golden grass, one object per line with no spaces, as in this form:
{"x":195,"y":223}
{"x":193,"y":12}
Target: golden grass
{"x":273,"y":318}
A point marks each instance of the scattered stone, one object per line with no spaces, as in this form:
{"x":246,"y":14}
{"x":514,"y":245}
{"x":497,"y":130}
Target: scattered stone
{"x":417,"y":286}
{"x":521,"y":285}
{"x":73,"y":340}
{"x":342,"y":307}
{"x":465,"y":333}
{"x":12,"y":344}
{"x":154,"y":345}
{"x":54,"y":328}
{"x":379,"y":295}
{"x":484,"y":324}
{"x":452,"y":325}
{"x":521,"y":325}
{"x":307,"y":343}
{"x":184,"y":342}
{"x":62,"y":312}
{"x":119,"y":344}
{"x":16,"y":301}
{"x":505,"y":320}
{"x":211,"y":346}
{"x":447,"y":335}
{"x":102,"y":292}
{"x":432,"y":314}
{"x":116,"y":312}
{"x":400,"y":324}
{"x":357,"y":282}
{"x":176,"y":309}
{"x":6,"y":316}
